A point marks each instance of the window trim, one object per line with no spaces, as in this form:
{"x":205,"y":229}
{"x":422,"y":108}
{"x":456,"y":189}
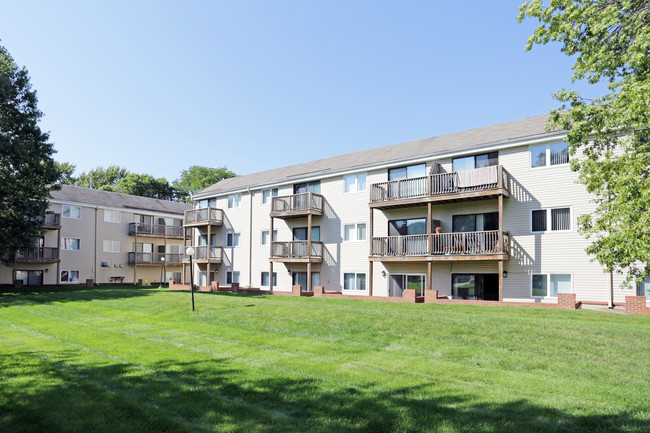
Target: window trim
{"x":113,"y":212}
{"x":548,"y":156}
{"x":70,"y":249}
{"x":548,"y":220}
{"x":232,"y":235}
{"x":271,"y":195}
{"x":274,"y":238}
{"x":119,"y":246}
{"x":548,"y":284}
{"x":356,"y":232}
{"x":70,"y":206}
{"x":275,"y":279}
{"x":231,"y":274}
{"x":356,"y":183}
{"x":237,"y":203}
{"x":356,"y":282}
{"x":69,"y":271}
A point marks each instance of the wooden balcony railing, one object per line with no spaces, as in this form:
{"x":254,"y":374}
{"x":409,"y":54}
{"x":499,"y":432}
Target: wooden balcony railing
{"x":51,"y":221}
{"x":296,"y":250}
{"x":464,"y":243}
{"x":206,"y":215}
{"x":155,"y":258}
{"x":38,"y":255}
{"x":158,"y":230}
{"x":297,"y":205}
{"x":468,"y":181}
{"x":206,"y":253}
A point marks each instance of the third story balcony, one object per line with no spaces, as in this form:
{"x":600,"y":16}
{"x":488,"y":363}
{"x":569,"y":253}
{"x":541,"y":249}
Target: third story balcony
{"x":203,"y":217}
{"x":156,"y":230}
{"x":155,"y":259}
{"x":297,"y":252}
{"x":297,"y":205}
{"x":51,"y":221}
{"x":482,"y":245}
{"x":486,"y":182}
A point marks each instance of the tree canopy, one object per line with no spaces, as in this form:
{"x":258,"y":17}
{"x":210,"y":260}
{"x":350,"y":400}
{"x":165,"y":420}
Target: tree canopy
{"x":27,"y":169}
{"x":197,"y":178}
{"x":610,"y":40}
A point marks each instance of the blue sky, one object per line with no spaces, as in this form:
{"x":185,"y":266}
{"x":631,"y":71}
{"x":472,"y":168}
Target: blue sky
{"x":158,"y":86}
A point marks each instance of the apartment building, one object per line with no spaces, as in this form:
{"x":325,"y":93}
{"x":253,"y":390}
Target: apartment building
{"x":485,"y":214}
{"x":105,"y":237}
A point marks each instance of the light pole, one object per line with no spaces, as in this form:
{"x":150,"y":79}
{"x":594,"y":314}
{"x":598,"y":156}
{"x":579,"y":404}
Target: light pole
{"x":190,"y":252}
{"x":162,"y":267}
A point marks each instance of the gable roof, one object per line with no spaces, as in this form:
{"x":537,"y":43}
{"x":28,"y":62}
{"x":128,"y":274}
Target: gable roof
{"x":77,"y":194}
{"x":502,"y":133}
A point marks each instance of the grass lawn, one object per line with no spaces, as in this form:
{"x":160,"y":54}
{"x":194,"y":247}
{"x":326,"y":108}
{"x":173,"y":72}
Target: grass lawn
{"x":122,"y":359}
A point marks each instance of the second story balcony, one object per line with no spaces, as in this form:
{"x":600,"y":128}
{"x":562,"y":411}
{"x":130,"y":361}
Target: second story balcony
{"x":482,"y":245}
{"x":156,"y":230}
{"x":205,"y":254}
{"x":486,"y":182}
{"x":297,"y":252}
{"x":155,"y":259}
{"x":203,"y":217}
{"x":297,"y":205}
{"x":38,"y":255}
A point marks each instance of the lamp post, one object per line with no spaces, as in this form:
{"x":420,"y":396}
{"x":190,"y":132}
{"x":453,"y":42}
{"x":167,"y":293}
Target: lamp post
{"x":190,"y":252}
{"x":162,"y":267}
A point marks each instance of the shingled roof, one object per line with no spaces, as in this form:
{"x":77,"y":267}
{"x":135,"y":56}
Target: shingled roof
{"x":76,"y":194}
{"x":502,"y":133}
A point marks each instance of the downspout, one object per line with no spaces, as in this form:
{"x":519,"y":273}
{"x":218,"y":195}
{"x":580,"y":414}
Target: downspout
{"x":610,"y":304}
{"x":250,"y":239}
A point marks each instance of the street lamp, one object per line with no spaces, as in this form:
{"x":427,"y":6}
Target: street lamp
{"x":162,"y":267}
{"x":190,"y":252}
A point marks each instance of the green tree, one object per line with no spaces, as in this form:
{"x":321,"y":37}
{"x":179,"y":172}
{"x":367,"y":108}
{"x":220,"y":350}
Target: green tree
{"x":143,"y":185}
{"x":66,"y":170}
{"x":100,"y":177}
{"x":197,"y":178}
{"x":27,"y":170}
{"x":610,"y":40}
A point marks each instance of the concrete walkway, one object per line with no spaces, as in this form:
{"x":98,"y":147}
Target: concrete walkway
{"x":620,"y":310}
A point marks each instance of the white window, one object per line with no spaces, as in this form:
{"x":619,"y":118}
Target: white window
{"x":353,"y":281}
{"x":555,"y":220}
{"x":549,"y":285}
{"x":546,"y":155}
{"x":71,"y":211}
{"x":267,"y":194}
{"x":232,"y":277}
{"x":70,"y":277}
{"x":72,"y":244}
{"x":111,"y":246}
{"x":234,"y":201}
{"x":265,"y":279}
{"x":354,"y":232}
{"x":232,"y":239}
{"x":265,"y":236}
{"x":643,"y":288}
{"x":112,"y":216}
{"x":355,"y":182}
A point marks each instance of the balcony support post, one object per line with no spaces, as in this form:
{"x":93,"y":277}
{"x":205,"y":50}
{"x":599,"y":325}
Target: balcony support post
{"x":58,"y":263}
{"x":371,"y":230}
{"x":135,"y":257}
{"x":370,"y":278}
{"x":309,"y":222}
{"x":429,"y":275}
{"x":208,"y":256}
{"x":500,"y":280}
{"x":429,"y":230}
{"x":271,"y":255}
{"x":501,"y":249}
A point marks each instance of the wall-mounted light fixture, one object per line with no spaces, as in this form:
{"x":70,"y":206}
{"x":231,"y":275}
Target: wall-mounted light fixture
{"x":505,"y":274}
{"x":383,"y":273}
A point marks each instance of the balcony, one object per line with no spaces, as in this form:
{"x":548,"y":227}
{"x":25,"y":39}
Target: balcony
{"x":486,"y":182}
{"x":51,"y":221}
{"x":203,"y":217}
{"x":154,"y":259}
{"x":156,"y":230}
{"x":484,"y":245}
{"x":205,"y":254}
{"x":296,"y":252}
{"x":297,"y":205}
{"x":38,"y":255}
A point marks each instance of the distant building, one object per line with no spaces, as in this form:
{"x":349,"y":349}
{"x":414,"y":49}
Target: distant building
{"x":103,"y":236}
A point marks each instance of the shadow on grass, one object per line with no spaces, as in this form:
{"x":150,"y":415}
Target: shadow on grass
{"x":31,"y":295}
{"x":52,"y":392}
